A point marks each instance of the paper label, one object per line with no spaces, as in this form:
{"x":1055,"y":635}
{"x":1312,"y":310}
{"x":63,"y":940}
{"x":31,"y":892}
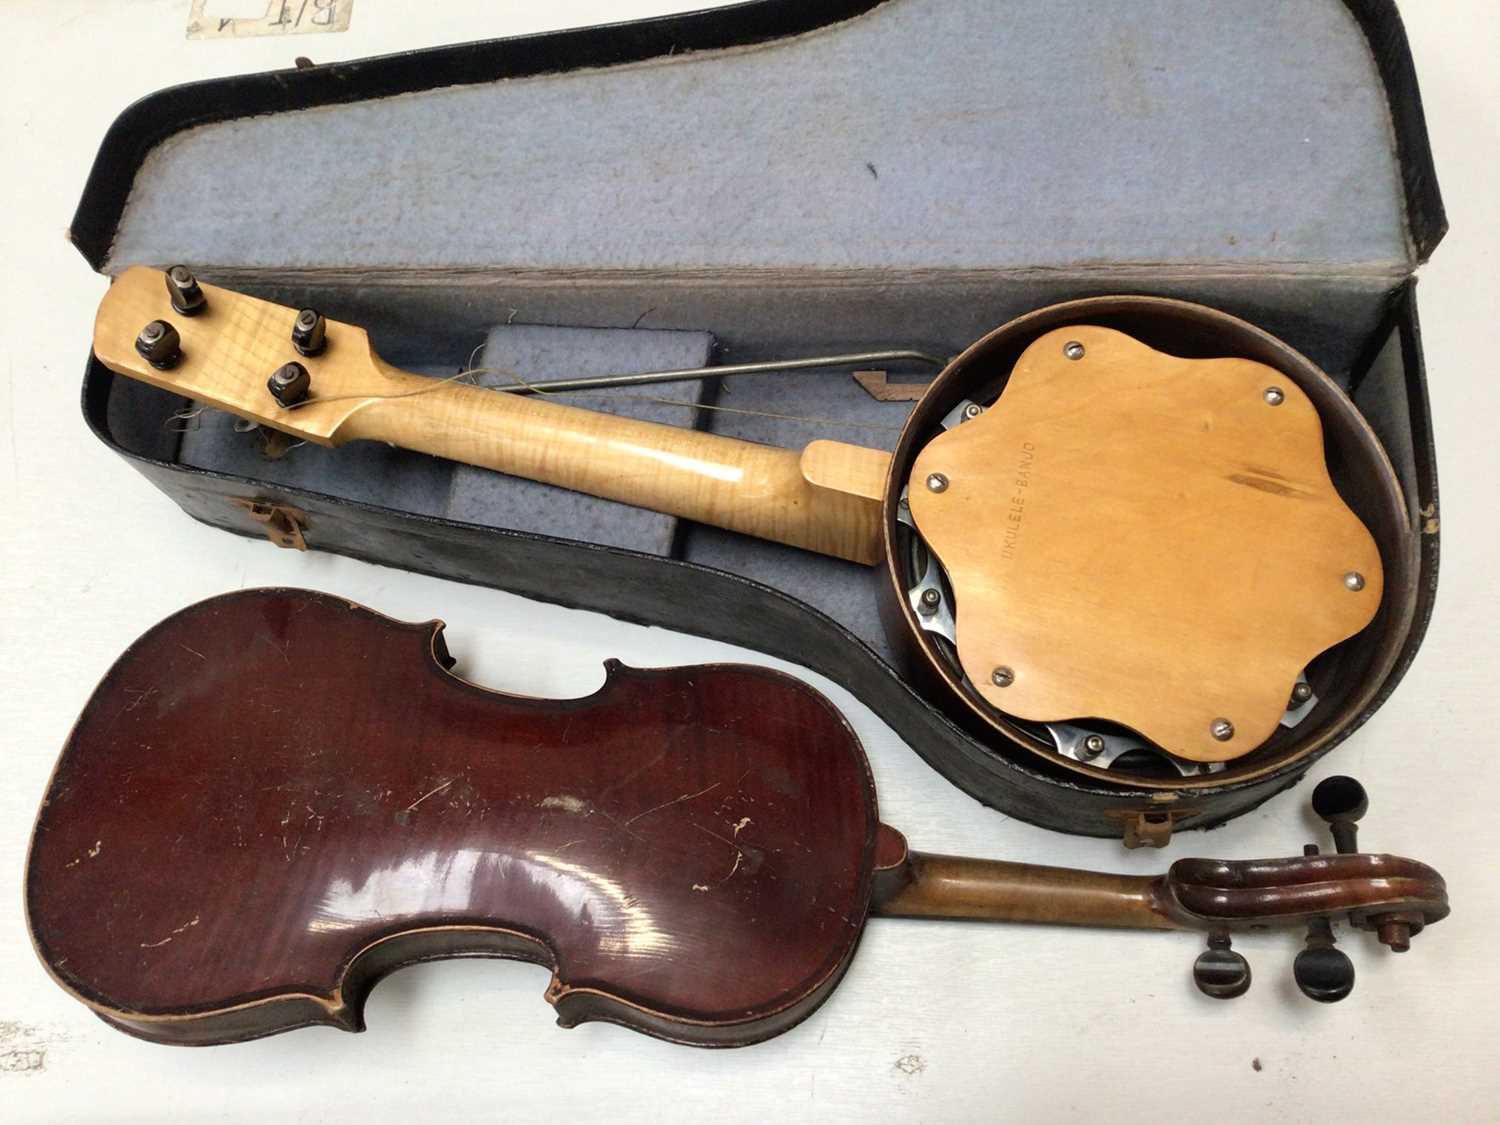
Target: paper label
{"x":217,"y":19}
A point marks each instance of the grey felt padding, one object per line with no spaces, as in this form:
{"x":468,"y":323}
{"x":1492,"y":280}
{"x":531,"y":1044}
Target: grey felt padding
{"x":914,"y":176}
{"x":924,"y":134}
{"x":536,"y":353}
{"x":379,"y":474}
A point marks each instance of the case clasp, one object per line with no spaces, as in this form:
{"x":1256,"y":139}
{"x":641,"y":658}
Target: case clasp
{"x":1152,"y":827}
{"x":284,"y":524}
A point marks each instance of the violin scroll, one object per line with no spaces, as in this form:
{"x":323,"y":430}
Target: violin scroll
{"x":1254,"y":893}
{"x":1392,"y":896}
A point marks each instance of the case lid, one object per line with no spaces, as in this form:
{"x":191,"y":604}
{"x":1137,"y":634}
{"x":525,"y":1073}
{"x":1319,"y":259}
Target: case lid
{"x":778,"y":142}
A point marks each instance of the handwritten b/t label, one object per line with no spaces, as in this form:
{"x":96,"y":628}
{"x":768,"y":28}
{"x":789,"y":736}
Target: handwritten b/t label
{"x":218,"y":19}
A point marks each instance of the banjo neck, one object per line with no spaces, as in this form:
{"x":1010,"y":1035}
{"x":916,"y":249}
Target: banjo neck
{"x":824,"y":498}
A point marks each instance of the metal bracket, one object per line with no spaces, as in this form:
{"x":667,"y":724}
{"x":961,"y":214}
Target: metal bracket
{"x":878,"y":386}
{"x":1151,"y":828}
{"x":284,"y":524}
{"x":1083,"y":743}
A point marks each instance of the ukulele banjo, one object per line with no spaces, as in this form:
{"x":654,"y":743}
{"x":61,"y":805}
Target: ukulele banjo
{"x":1092,"y":546}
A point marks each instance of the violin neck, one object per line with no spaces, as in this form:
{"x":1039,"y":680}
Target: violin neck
{"x":941,"y":886}
{"x":825,"y":498}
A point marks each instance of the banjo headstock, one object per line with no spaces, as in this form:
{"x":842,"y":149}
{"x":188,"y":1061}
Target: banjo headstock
{"x":222,"y":348}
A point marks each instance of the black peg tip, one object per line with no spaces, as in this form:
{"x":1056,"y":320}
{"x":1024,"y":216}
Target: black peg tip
{"x":1340,"y":798}
{"x":1222,"y":973}
{"x":1324,"y":974}
{"x":1341,"y":801}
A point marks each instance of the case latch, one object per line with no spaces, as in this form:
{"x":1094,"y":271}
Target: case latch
{"x":1152,"y":827}
{"x":283,"y":523}
{"x":1149,"y":829}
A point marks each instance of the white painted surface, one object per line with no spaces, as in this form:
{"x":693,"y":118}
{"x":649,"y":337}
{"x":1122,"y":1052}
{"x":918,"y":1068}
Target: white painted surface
{"x":935,"y":1022}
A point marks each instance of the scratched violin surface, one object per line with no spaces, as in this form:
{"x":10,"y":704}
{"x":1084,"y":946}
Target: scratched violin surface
{"x":275,"y":797}
{"x":297,"y":795}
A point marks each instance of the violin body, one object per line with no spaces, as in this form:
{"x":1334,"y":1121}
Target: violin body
{"x":275,"y":797}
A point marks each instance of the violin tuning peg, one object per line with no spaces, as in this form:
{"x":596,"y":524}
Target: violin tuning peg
{"x":1323,"y":973}
{"x":1341,"y":801}
{"x":1219,"y":971}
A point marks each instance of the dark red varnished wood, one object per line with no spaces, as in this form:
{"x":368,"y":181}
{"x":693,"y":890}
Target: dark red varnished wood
{"x":1207,"y":891}
{"x":275,"y":796}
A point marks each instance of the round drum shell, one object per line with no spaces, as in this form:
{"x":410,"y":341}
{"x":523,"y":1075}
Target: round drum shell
{"x":1347,"y":678}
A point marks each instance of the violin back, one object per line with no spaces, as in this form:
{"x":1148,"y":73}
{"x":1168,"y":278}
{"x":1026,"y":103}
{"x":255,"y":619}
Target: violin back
{"x":275,"y":797}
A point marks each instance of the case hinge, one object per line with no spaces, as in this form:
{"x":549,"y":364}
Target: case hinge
{"x":284,"y":524}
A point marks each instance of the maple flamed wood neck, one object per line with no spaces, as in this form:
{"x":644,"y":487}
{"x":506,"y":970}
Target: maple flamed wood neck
{"x":825,"y":498}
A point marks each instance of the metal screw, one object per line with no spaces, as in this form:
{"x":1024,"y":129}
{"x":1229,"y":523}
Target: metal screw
{"x":973,"y":410}
{"x":1274,"y":396}
{"x":1222,"y":729}
{"x":936,"y":482}
{"x":1354,"y":580}
{"x":1002,"y":677}
{"x":1073,"y":349}
{"x":1301,"y":693}
{"x":1093,"y":745}
{"x":930,"y":601}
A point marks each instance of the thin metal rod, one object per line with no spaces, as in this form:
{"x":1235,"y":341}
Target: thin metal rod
{"x":682,"y":375}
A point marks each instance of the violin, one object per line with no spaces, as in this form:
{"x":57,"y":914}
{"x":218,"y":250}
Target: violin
{"x":1090,"y":546}
{"x":276,"y":797}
